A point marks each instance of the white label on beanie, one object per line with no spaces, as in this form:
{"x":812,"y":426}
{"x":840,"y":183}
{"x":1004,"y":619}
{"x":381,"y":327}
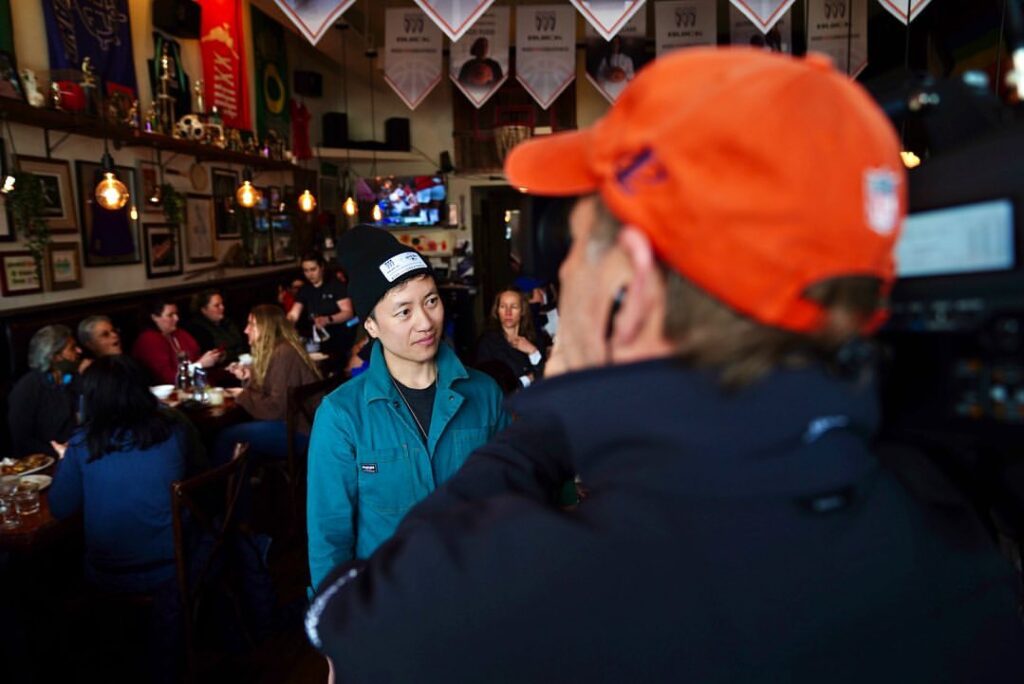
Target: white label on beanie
{"x":400,"y":264}
{"x":881,"y":200}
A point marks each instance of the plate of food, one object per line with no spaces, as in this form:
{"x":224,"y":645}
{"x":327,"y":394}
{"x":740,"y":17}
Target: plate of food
{"x":25,"y":466}
{"x":37,"y":482}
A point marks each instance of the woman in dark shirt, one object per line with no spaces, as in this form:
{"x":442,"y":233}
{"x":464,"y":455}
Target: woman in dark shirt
{"x":324,"y":301}
{"x":511,"y":342}
{"x":214,"y":330}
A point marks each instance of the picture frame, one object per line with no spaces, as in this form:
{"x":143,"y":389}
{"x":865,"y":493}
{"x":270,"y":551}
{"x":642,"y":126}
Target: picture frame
{"x":281,"y":230}
{"x":10,"y":82}
{"x":6,"y":225}
{"x":274,"y":198}
{"x":200,"y":222}
{"x":149,"y":187}
{"x":63,"y":266}
{"x":162,"y":244}
{"x":109,"y":238}
{"x":58,"y":198}
{"x":224,"y":185}
{"x":19,"y":274}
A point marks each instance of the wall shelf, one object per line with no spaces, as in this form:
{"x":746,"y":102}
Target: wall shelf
{"x":342,"y":153}
{"x":122,"y":135}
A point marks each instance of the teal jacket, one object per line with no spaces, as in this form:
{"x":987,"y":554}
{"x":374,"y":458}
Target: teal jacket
{"x":368,"y":464}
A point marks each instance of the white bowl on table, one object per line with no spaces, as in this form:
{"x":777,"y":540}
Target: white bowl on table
{"x":162,"y":392}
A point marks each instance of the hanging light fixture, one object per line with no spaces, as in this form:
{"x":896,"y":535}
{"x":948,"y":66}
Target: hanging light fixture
{"x":307,"y":202}
{"x":377,"y":216}
{"x":134,"y":213}
{"x":350,"y":206}
{"x":248,"y":195}
{"x":111,"y":193}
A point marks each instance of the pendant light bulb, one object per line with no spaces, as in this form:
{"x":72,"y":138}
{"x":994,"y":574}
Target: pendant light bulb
{"x":8,"y":186}
{"x":248,"y":195}
{"x":910,"y":160}
{"x":350,"y":206}
{"x":111,"y":194}
{"x":307,"y":202}
{"x":377,"y":216}
{"x":134,"y":213}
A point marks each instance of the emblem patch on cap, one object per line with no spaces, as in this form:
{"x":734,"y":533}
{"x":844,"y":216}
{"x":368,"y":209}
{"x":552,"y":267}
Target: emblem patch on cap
{"x":881,"y":200}
{"x":400,"y":264}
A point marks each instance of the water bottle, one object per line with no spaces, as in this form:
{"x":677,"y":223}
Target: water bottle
{"x":199,"y":385}
{"x":181,"y":381}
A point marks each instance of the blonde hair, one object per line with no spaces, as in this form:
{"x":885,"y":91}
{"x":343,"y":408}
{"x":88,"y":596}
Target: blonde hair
{"x":274,"y":329}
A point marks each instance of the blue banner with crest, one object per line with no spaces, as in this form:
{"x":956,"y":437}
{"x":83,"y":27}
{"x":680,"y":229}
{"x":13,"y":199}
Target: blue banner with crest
{"x":97,"y":29}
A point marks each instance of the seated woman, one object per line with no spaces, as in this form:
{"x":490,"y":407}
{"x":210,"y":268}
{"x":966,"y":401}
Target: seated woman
{"x":43,"y":403}
{"x":160,"y":347}
{"x":511,"y":340}
{"x":212,"y":329}
{"x":279,"y":363}
{"x":118,"y":469}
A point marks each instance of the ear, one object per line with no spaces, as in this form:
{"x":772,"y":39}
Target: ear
{"x":643,"y":285}
{"x":371,"y":327}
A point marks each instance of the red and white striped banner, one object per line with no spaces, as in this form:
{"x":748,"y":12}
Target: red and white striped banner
{"x":412,"y":54}
{"x":314,"y":17}
{"x":545,"y":50}
{"x":905,"y":10}
{"x":763,"y":13}
{"x":225,"y":79}
{"x":454,"y":17}
{"x":608,"y":16}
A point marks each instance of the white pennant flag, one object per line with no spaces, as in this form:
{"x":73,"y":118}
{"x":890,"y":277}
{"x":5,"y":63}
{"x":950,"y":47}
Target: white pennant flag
{"x":685,"y":23}
{"x":779,"y":38}
{"x":763,"y":13}
{"x":412,"y":54}
{"x":454,"y":17}
{"x":829,"y":31}
{"x":314,"y":17}
{"x":545,"y":50}
{"x":608,"y":17}
{"x":478,"y":62}
{"x":612,"y":64}
{"x":905,"y":10}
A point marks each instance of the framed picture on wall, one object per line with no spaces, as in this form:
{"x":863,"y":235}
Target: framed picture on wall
{"x":274,"y":198}
{"x":18,"y":274}
{"x":225,"y":184}
{"x":199,"y":228}
{"x":109,"y":238}
{"x":150,"y":199}
{"x":6,"y":227}
{"x":281,"y":238}
{"x":63,"y":267}
{"x":55,"y":182}
{"x":163,"y":249}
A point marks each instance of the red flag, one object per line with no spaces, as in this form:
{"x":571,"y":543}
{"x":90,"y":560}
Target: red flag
{"x":224,"y":74}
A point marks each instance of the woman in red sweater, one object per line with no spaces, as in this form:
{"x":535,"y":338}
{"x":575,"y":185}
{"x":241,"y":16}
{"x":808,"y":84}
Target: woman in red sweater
{"x":160,"y":348}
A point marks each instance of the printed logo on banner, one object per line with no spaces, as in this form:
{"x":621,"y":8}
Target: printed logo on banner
{"x":224,"y":71}
{"x":763,"y":13}
{"x":898,"y":8}
{"x":479,"y":60}
{"x":685,"y":24}
{"x":779,"y":38}
{"x":97,"y":29}
{"x":612,"y":64}
{"x":608,"y":18}
{"x":314,"y":17}
{"x":454,"y":17}
{"x":839,"y":29}
{"x":545,"y":50}
{"x":412,"y":54}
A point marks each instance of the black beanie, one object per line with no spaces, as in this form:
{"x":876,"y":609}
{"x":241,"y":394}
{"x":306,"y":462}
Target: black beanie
{"x":375,"y":262}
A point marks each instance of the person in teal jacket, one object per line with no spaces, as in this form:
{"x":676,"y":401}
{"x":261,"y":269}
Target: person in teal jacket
{"x":384,"y":440}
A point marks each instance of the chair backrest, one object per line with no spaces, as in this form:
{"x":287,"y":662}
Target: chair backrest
{"x":204,"y":506}
{"x":303,"y":402}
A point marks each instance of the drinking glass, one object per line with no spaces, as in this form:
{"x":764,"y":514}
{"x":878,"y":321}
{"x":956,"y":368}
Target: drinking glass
{"x":8,"y":514}
{"x":26,"y":501}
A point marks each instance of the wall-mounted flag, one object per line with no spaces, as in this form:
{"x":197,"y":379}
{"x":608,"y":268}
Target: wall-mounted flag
{"x":685,"y":23}
{"x":454,"y":17}
{"x":479,"y":60}
{"x":612,"y":64}
{"x":763,"y":13}
{"x":905,"y":10}
{"x":839,"y":28}
{"x":779,"y":38}
{"x":97,"y":29}
{"x":412,"y":54}
{"x":608,"y":17}
{"x":225,"y":80}
{"x":545,"y":50}
{"x":312,"y":17}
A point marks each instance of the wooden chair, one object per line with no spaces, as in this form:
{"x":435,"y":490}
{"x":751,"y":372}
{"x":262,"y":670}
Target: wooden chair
{"x":205,"y":506}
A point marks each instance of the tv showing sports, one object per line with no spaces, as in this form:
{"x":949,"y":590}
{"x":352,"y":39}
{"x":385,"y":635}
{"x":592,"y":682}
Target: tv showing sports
{"x":406,"y":200}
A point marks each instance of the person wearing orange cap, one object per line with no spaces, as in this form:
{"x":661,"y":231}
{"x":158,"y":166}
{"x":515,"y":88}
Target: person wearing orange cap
{"x":738,"y":527}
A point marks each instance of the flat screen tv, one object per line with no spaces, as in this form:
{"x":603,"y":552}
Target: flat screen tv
{"x":406,"y":200}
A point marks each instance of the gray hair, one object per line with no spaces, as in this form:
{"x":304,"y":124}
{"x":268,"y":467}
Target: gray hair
{"x":47,"y":342}
{"x":86,"y":326}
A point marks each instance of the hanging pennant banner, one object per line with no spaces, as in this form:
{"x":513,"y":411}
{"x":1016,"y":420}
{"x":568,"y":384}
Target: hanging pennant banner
{"x":312,"y":17}
{"x":608,"y":17}
{"x":97,"y":29}
{"x":224,"y":75}
{"x":271,"y":76}
{"x":685,"y":23}
{"x":902,"y":9}
{"x":779,"y":38}
{"x":839,"y":28}
{"x":454,"y":17}
{"x":545,"y":50}
{"x":763,"y":13}
{"x":412,"y":54}
{"x":612,"y":64}
{"x":479,"y":60}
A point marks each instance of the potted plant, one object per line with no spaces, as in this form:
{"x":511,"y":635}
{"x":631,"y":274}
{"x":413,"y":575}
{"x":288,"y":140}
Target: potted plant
{"x":26,"y":204}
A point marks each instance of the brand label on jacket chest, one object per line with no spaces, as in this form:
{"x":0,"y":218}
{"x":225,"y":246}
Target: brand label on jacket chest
{"x":368,"y":467}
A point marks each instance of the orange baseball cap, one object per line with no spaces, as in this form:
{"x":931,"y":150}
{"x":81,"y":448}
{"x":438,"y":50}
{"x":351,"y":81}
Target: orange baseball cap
{"x":754,"y":175}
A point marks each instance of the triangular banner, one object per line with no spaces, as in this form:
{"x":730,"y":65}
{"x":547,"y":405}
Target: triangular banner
{"x":545,"y":50}
{"x":612,"y":64}
{"x":829,"y":31}
{"x":479,"y":60}
{"x":902,"y":9}
{"x":608,"y":17}
{"x":454,"y":17}
{"x":779,"y":38}
{"x":314,"y":18}
{"x":685,"y":23}
{"x":763,"y":13}
{"x":412,"y":54}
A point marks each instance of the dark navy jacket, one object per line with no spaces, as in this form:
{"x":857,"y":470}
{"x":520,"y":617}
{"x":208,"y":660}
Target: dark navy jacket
{"x":743,"y":537}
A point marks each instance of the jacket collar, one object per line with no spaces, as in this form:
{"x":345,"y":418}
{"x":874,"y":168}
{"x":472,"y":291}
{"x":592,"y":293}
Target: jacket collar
{"x":378,"y":381}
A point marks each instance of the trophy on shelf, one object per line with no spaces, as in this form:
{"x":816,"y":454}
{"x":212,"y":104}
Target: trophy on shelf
{"x":89,"y":87}
{"x":164,"y":100}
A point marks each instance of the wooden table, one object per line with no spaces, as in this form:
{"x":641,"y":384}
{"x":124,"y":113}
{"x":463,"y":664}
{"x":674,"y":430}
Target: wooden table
{"x":39,"y":529}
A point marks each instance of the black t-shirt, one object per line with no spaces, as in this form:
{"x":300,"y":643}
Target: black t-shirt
{"x":323,"y":300}
{"x":421,"y":403}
